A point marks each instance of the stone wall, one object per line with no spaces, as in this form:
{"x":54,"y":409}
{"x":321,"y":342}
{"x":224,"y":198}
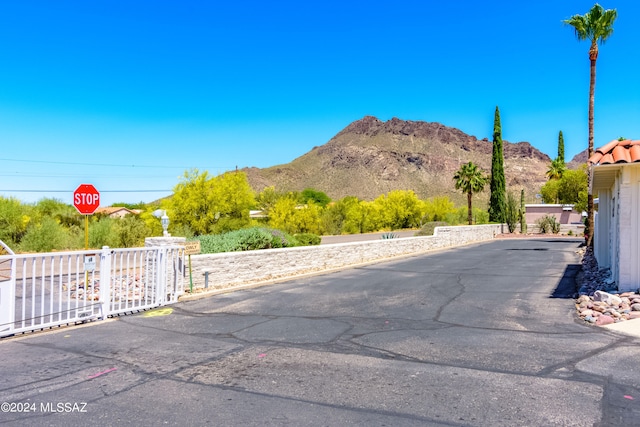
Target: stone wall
{"x":244,"y":268}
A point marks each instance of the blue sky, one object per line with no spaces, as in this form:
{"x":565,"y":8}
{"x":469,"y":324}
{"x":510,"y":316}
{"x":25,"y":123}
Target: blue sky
{"x":128,"y":95}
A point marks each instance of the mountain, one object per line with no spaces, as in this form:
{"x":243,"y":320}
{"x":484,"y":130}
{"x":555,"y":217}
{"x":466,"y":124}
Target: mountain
{"x":578,"y":160}
{"x":371,"y":157}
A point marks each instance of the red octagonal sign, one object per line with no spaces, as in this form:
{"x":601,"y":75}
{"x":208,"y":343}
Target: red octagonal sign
{"x":86,"y":199}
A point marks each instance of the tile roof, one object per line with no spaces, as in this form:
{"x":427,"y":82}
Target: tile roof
{"x":626,"y":151}
{"x":110,"y":210}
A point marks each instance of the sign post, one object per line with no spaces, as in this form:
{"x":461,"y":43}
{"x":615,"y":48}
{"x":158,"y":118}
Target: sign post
{"x":191,"y":248}
{"x":86,"y":199}
{"x":89,"y":262}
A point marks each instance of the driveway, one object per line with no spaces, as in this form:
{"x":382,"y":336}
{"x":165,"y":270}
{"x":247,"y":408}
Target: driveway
{"x":481,"y":335}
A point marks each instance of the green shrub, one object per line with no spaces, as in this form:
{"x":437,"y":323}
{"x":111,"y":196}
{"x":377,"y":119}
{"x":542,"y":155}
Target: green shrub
{"x":386,"y":236}
{"x":511,"y":213}
{"x":246,"y":239}
{"x":429,"y":228}
{"x":131,"y":231}
{"x":103,"y":233}
{"x":251,"y":239}
{"x":181,"y":230}
{"x":480,"y":216}
{"x":548,"y":224}
{"x":460,"y":216}
{"x":44,"y":237}
{"x":213,"y":243}
{"x":522,"y":213}
{"x":281,"y":239}
{"x":14,"y":220}
{"x":308,"y":239}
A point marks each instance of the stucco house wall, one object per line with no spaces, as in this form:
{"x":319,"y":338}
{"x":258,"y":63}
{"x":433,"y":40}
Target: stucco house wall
{"x":617,"y":228}
{"x":565,"y":214}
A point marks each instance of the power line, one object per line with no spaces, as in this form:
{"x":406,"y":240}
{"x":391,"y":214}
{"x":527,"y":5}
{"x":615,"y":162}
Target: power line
{"x":46,"y":175}
{"x":101,"y":191}
{"x":114,"y":165}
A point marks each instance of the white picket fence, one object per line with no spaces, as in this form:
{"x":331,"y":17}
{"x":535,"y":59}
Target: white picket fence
{"x":39,"y":291}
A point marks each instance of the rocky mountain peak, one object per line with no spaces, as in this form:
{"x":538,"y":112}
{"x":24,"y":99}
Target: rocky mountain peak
{"x":365,"y":126}
{"x":524,"y":150}
{"x":372,"y":126}
{"x":371,"y":157}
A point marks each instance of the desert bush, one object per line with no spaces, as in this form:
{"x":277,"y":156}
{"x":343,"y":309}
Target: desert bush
{"x":437,"y":208}
{"x":428,"y":228}
{"x":387,"y":236}
{"x":181,"y":230}
{"x":131,"y":231}
{"x":246,"y":240}
{"x":511,"y":212}
{"x":548,"y":224}
{"x":308,"y":239}
{"x":14,"y":220}
{"x":481,"y":216}
{"x":44,"y":237}
{"x":103,"y":233}
{"x":522,"y":214}
{"x":460,"y":216}
{"x":280,"y":239}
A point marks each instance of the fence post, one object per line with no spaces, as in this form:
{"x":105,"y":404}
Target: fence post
{"x":8,"y":300}
{"x":161,"y":260}
{"x":105,"y":281}
{"x":161,"y":276}
{"x":174,"y":273}
{"x":7,"y":291}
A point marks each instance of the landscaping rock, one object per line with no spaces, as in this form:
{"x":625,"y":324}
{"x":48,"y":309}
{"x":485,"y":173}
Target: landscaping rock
{"x":604,"y":320}
{"x":607,"y":298}
{"x":126,"y":288}
{"x":597,"y":303}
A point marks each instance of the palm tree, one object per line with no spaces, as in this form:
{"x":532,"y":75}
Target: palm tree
{"x":470,"y":180}
{"x":556,"y":169}
{"x":595,"y":26}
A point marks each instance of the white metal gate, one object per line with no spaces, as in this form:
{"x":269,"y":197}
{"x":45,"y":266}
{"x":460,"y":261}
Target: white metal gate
{"x":44,"y":290}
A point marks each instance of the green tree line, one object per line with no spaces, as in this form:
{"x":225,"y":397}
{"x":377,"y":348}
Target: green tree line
{"x":204,"y":205}
{"x":209,"y":205}
{"x":51,"y":224}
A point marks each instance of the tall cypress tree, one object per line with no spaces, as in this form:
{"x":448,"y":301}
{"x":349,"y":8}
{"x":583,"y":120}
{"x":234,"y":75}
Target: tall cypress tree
{"x":498,"y":190}
{"x":561,"y":147}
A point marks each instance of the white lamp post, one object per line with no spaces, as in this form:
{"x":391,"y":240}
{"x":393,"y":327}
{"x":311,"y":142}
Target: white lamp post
{"x":165,"y":224}
{"x":164,"y":220}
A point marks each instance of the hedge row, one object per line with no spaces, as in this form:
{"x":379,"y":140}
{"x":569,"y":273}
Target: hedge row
{"x":254,"y":238}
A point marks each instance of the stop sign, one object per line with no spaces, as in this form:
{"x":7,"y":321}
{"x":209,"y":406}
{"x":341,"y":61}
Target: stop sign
{"x":86,"y":199}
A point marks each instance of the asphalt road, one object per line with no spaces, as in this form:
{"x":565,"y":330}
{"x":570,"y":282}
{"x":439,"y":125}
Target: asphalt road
{"x":482,"y":335}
